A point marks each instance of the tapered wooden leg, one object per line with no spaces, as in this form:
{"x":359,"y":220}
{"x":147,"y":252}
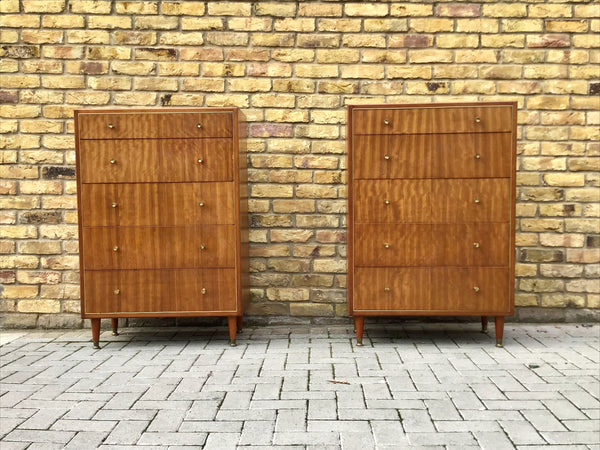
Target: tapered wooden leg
{"x":232,"y":324}
{"x":484,"y":324}
{"x":499,"y":321}
{"x":359,"y":325}
{"x":114,"y":322}
{"x":240,"y":322}
{"x":95,"y":332}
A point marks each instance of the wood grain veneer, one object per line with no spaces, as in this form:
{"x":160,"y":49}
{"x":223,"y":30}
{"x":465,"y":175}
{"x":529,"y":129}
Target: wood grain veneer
{"x":163,"y":209}
{"x":431,"y":210}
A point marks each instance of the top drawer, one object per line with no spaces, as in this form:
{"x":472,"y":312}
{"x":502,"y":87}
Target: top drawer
{"x":432,"y":119}
{"x":136,"y":125}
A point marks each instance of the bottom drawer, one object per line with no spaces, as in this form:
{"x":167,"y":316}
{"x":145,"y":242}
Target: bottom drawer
{"x":438,"y":290}
{"x":184,"y":291}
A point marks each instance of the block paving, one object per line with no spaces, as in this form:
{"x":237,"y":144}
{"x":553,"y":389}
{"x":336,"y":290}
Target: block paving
{"x":413,"y":385}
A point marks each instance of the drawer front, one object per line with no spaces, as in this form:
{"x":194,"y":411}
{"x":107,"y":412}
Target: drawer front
{"x":432,"y":119}
{"x":386,"y":245}
{"x":156,"y":160}
{"x":392,"y":201}
{"x":470,"y":200}
{"x":462,"y":155}
{"x":432,"y":201}
{"x":394,"y":245}
{"x":392,"y":289}
{"x":159,"y":247}
{"x":474,"y":290}
{"x":124,"y":125}
{"x":481,"y":244}
{"x":160,"y":204}
{"x":142,"y":292}
{"x":430,"y":290}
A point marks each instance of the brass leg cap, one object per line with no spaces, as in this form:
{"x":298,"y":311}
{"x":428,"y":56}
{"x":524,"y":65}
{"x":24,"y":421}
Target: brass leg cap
{"x":115,"y":333}
{"x":484,"y":329}
{"x":232,"y":343}
{"x":96,"y":344}
{"x":499,"y":344}
{"x":359,"y":343}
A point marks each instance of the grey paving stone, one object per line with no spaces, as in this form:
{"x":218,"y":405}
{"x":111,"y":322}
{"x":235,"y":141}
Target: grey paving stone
{"x":307,"y":438}
{"x":189,"y":439}
{"x":493,"y":440}
{"x":543,"y":420}
{"x":291,"y":420}
{"x":339,"y":425}
{"x":437,"y":377}
{"x":127,"y":432}
{"x":257,"y":432}
{"x":571,"y":437}
{"x":86,"y":440}
{"x":222,"y":441}
{"x":357,"y":440}
{"x":521,"y":432}
{"x":41,"y":436}
{"x":415,"y":421}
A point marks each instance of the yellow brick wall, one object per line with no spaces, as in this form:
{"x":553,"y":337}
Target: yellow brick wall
{"x":293,"y":67}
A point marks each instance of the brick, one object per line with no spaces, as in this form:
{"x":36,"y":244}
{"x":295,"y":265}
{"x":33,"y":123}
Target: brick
{"x":311,"y":309}
{"x":522,"y":25}
{"x":109,"y":22}
{"x":365,"y":10}
{"x":478,"y":26}
{"x":430,"y":56}
{"x":384,"y":56}
{"x":273,"y":40}
{"x":275,"y":9}
{"x":295,"y":25}
{"x":456,"y":41}
{"x":359,"y":40}
{"x":41,"y":37}
{"x":339,"y":25}
{"x":504,"y":10}
{"x":63,"y":21}
{"x":458,"y":10}
{"x":26,"y":292}
{"x":385,"y":25}
{"x":220,"y":69}
{"x":178,"y":38}
{"x":321,"y":40}
{"x":20,"y":21}
{"x":197,"y":23}
{"x":188,"y":8}
{"x":503,"y":41}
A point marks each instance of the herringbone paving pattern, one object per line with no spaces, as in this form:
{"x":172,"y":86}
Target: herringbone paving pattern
{"x":435,"y":385}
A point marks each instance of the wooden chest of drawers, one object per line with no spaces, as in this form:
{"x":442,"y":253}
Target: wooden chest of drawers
{"x":431,"y":211}
{"x":162,"y":214}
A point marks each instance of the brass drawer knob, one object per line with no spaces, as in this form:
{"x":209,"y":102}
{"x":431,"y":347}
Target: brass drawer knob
{"x":477,"y":200}
{"x":476,"y":288}
{"x":116,"y":248}
{"x":113,"y":161}
{"x":387,"y":157}
{"x":477,"y":119}
{"x":202,"y":247}
{"x":114,"y":205}
{"x":200,"y":160}
{"x":386,"y":201}
{"x":203,"y":290}
{"x":198,"y":125}
{"x":387,"y":289}
{"x":386,"y":121}
{"x":477,"y":156}
{"x":476,"y":244}
{"x":116,"y":292}
{"x":111,"y":126}
{"x":386,"y":245}
{"x":201,"y":203}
